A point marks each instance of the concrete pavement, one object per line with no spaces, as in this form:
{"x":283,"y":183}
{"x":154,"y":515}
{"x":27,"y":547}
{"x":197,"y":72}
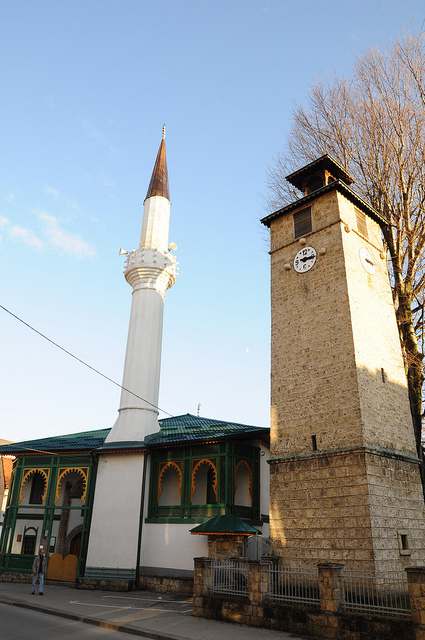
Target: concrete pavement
{"x":28,"y":625}
{"x":143,"y":613}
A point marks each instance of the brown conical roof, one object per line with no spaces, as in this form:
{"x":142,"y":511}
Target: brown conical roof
{"x":158,"y":185}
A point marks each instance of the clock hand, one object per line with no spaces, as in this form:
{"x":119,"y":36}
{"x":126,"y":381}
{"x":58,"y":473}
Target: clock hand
{"x":306,"y":258}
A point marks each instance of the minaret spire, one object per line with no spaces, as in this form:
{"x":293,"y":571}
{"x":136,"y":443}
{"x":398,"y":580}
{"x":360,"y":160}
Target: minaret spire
{"x":158,"y":185}
{"x":150,"y":270}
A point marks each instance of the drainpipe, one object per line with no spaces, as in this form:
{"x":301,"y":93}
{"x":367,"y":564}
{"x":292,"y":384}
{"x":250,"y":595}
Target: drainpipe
{"x":142,"y":511}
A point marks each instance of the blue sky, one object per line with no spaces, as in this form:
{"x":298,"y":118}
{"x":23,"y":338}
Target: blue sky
{"x":86,"y":87}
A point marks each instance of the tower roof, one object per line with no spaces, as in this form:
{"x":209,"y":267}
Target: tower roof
{"x":158,"y":185}
{"x":324,"y":163}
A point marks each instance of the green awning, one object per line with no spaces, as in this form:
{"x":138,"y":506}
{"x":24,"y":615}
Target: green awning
{"x":225,"y":526}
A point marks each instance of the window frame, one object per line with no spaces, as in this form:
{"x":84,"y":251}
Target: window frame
{"x":225,"y":456}
{"x":295,"y":216}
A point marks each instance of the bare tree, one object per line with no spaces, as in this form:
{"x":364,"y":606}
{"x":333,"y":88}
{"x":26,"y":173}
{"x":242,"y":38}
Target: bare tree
{"x":374,"y":124}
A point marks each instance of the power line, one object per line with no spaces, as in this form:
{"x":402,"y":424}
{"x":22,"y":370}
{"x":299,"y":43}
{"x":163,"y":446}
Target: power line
{"x":86,"y":364}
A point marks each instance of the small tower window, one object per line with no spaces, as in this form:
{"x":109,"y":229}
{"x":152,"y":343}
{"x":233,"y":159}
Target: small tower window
{"x":302,"y":222}
{"x":314,"y":442}
{"x":361,"y":223}
{"x":403,"y":543}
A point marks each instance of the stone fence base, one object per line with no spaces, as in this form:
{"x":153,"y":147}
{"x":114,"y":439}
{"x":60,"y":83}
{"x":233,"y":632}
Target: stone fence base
{"x":167,"y":584}
{"x":322,"y":613}
{"x":105,"y":584}
{"x":23,"y":578}
{"x":302,"y":619}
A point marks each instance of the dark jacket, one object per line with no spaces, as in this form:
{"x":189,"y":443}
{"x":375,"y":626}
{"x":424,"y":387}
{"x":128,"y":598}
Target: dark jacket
{"x":36,"y":565}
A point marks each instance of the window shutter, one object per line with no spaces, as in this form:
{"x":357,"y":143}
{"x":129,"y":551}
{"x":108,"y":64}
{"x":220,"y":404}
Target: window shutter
{"x":361,"y":223}
{"x":302,"y":222}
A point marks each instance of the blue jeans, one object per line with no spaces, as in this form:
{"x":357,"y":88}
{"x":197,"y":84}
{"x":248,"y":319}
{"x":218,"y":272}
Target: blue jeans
{"x":38,"y":581}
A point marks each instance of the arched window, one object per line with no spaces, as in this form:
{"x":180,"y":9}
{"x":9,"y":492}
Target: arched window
{"x":204,"y":482}
{"x":34,"y":486}
{"x":169,"y":484}
{"x":243,"y":484}
{"x":72,"y":484}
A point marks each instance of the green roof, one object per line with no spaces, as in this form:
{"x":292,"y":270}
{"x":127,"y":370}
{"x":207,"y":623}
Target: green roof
{"x":225,"y":525}
{"x":189,"y":428}
{"x":175,"y":430}
{"x":71,"y":442}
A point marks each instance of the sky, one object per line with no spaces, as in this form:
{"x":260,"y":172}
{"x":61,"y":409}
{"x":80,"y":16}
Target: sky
{"x":85,"y":89}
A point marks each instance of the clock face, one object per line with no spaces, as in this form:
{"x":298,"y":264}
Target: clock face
{"x":366,"y":260}
{"x":305,"y":259}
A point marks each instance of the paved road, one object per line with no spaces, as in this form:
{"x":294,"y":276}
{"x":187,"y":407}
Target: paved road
{"x":165,"y":616}
{"x":23,"y":624}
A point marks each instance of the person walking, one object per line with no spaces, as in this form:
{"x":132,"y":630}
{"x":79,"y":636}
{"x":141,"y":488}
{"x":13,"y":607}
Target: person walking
{"x":39,"y":567}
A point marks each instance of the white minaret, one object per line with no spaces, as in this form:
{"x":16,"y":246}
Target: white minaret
{"x":150,"y":270}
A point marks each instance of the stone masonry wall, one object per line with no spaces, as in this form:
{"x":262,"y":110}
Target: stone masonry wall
{"x":163,"y":584}
{"x":314,"y":377}
{"x":381,"y":378}
{"x":396,"y":505}
{"x":337,"y":373}
{"x":320,"y":511}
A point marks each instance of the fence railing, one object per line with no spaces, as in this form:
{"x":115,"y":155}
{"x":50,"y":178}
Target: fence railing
{"x":387,"y":596}
{"x":292,"y":585}
{"x":228,"y":576}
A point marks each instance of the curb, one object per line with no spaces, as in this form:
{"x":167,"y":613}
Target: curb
{"x":88,"y":620}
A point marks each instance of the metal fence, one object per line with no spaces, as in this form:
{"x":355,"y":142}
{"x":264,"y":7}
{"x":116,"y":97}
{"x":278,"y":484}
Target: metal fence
{"x":298,"y":586}
{"x":387,"y":596}
{"x":229,"y":576}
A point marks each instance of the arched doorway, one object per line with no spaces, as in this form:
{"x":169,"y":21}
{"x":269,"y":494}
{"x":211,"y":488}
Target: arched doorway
{"x":29,"y":541}
{"x":70,"y":497}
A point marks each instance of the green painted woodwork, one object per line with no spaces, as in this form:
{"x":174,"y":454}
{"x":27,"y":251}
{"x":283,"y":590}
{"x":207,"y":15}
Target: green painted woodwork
{"x":46,"y":512}
{"x":17,"y":563}
{"x":225,"y":456}
{"x":225,"y":524}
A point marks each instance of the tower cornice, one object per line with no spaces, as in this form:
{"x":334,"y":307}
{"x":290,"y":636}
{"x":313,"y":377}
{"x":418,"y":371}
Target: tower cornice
{"x":337,"y":185}
{"x":150,"y":269}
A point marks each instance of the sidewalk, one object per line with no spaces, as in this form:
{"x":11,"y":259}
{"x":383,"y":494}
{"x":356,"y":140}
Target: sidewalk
{"x":142,"y":613}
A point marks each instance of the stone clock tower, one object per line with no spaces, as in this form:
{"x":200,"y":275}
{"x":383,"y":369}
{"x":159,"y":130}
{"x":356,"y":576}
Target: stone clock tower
{"x":345,"y":483}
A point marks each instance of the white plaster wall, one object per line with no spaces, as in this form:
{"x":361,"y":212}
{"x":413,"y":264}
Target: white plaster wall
{"x":200,"y":495}
{"x":116,"y":510}
{"x":171,"y":546}
{"x":3,"y":507}
{"x":242,"y":494}
{"x":19,"y":529}
{"x":170,"y":495}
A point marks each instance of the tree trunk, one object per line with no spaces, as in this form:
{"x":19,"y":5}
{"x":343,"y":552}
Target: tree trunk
{"x":415,"y":376}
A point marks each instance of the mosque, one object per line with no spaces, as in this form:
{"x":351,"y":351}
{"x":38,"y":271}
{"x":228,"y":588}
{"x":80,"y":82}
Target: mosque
{"x":118,"y":505}
{"x":134,"y":504}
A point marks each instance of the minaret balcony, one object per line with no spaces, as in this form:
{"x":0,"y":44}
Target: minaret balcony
{"x":147,"y":268}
